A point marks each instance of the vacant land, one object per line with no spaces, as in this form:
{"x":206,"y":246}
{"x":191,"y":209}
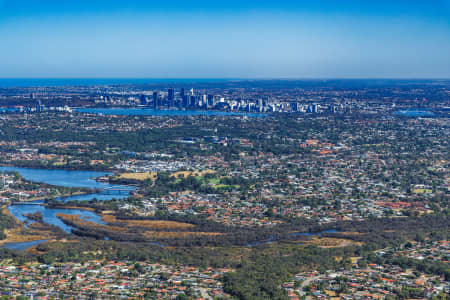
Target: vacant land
{"x":138,"y":176}
{"x":142,"y":176}
{"x":191,"y":173}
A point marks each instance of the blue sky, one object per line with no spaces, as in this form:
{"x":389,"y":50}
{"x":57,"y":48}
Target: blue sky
{"x":236,"y":39}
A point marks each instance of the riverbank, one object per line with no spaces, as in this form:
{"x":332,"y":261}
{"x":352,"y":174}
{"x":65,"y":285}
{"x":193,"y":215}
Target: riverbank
{"x":62,"y":196}
{"x":88,"y":168}
{"x":16,"y":235}
{"x":70,"y":183}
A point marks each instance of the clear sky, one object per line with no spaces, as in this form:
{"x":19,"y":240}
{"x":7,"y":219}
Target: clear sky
{"x":225,"y":38}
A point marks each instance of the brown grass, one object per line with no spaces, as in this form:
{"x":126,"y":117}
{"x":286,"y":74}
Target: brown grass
{"x":76,"y":219}
{"x":327,"y":242}
{"x":19,"y":234}
{"x":152,"y":175}
{"x":5,"y":211}
{"x":80,"y":208}
{"x":175,"y":234}
{"x":147,"y":223}
{"x":351,"y":233}
{"x":190,"y":173}
{"x":138,"y":176}
{"x":16,"y":236}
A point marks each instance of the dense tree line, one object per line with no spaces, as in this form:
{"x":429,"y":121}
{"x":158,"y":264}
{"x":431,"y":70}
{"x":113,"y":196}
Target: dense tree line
{"x":261,"y":269}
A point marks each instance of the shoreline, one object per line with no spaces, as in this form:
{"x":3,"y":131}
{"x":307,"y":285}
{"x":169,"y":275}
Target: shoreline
{"x":12,"y":237}
{"x":63,"y":196}
{"x":11,"y":165}
{"x":99,"y":179}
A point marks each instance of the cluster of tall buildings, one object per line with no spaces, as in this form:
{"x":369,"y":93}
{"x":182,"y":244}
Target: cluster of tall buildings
{"x":180,"y":99}
{"x":183,"y":99}
{"x":187,"y":99}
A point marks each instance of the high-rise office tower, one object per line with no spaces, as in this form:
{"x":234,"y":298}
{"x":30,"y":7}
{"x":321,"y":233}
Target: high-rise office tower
{"x":171,"y":97}
{"x":39,"y":106}
{"x":210,"y":100}
{"x":192,"y":101}
{"x":185,"y":101}
{"x":155,"y":99}
{"x":143,"y":100}
{"x":315,"y":108}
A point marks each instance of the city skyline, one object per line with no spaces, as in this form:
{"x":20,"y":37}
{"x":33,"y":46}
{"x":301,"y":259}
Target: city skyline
{"x":237,"y":39}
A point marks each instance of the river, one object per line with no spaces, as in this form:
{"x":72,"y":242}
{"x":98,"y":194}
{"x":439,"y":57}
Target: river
{"x":414,"y":113}
{"x":82,"y":179}
{"x":22,"y":246}
{"x":77,"y":179}
{"x":49,"y":215}
{"x":66,"y":178}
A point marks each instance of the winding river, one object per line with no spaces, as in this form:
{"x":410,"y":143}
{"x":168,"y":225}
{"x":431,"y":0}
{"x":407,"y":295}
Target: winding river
{"x":78,"y":179}
{"x":49,"y":215}
{"x":82,"y":179}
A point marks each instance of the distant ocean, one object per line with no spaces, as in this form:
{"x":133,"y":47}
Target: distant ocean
{"x":49,"y":82}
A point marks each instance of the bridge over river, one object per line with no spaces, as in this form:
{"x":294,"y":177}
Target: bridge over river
{"x":26,"y":203}
{"x":114,"y":191}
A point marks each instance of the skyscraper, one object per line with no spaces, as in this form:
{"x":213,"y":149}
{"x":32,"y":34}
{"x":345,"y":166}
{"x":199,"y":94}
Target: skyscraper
{"x":143,"y":100}
{"x":184,"y":101}
{"x":192,"y":101}
{"x":315,"y":108}
{"x":210,"y":100}
{"x":39,"y":106}
{"x":155,"y":99}
{"x":171,"y":97}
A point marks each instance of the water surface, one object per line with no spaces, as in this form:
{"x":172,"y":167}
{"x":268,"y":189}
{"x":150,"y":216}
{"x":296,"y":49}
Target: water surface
{"x":49,"y":215}
{"x":414,"y":113}
{"x":76,"y":179}
{"x":23,"y":245}
{"x":66,"y":178}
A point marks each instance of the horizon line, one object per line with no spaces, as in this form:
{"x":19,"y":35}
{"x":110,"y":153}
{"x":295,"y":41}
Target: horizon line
{"x":233,"y":78}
